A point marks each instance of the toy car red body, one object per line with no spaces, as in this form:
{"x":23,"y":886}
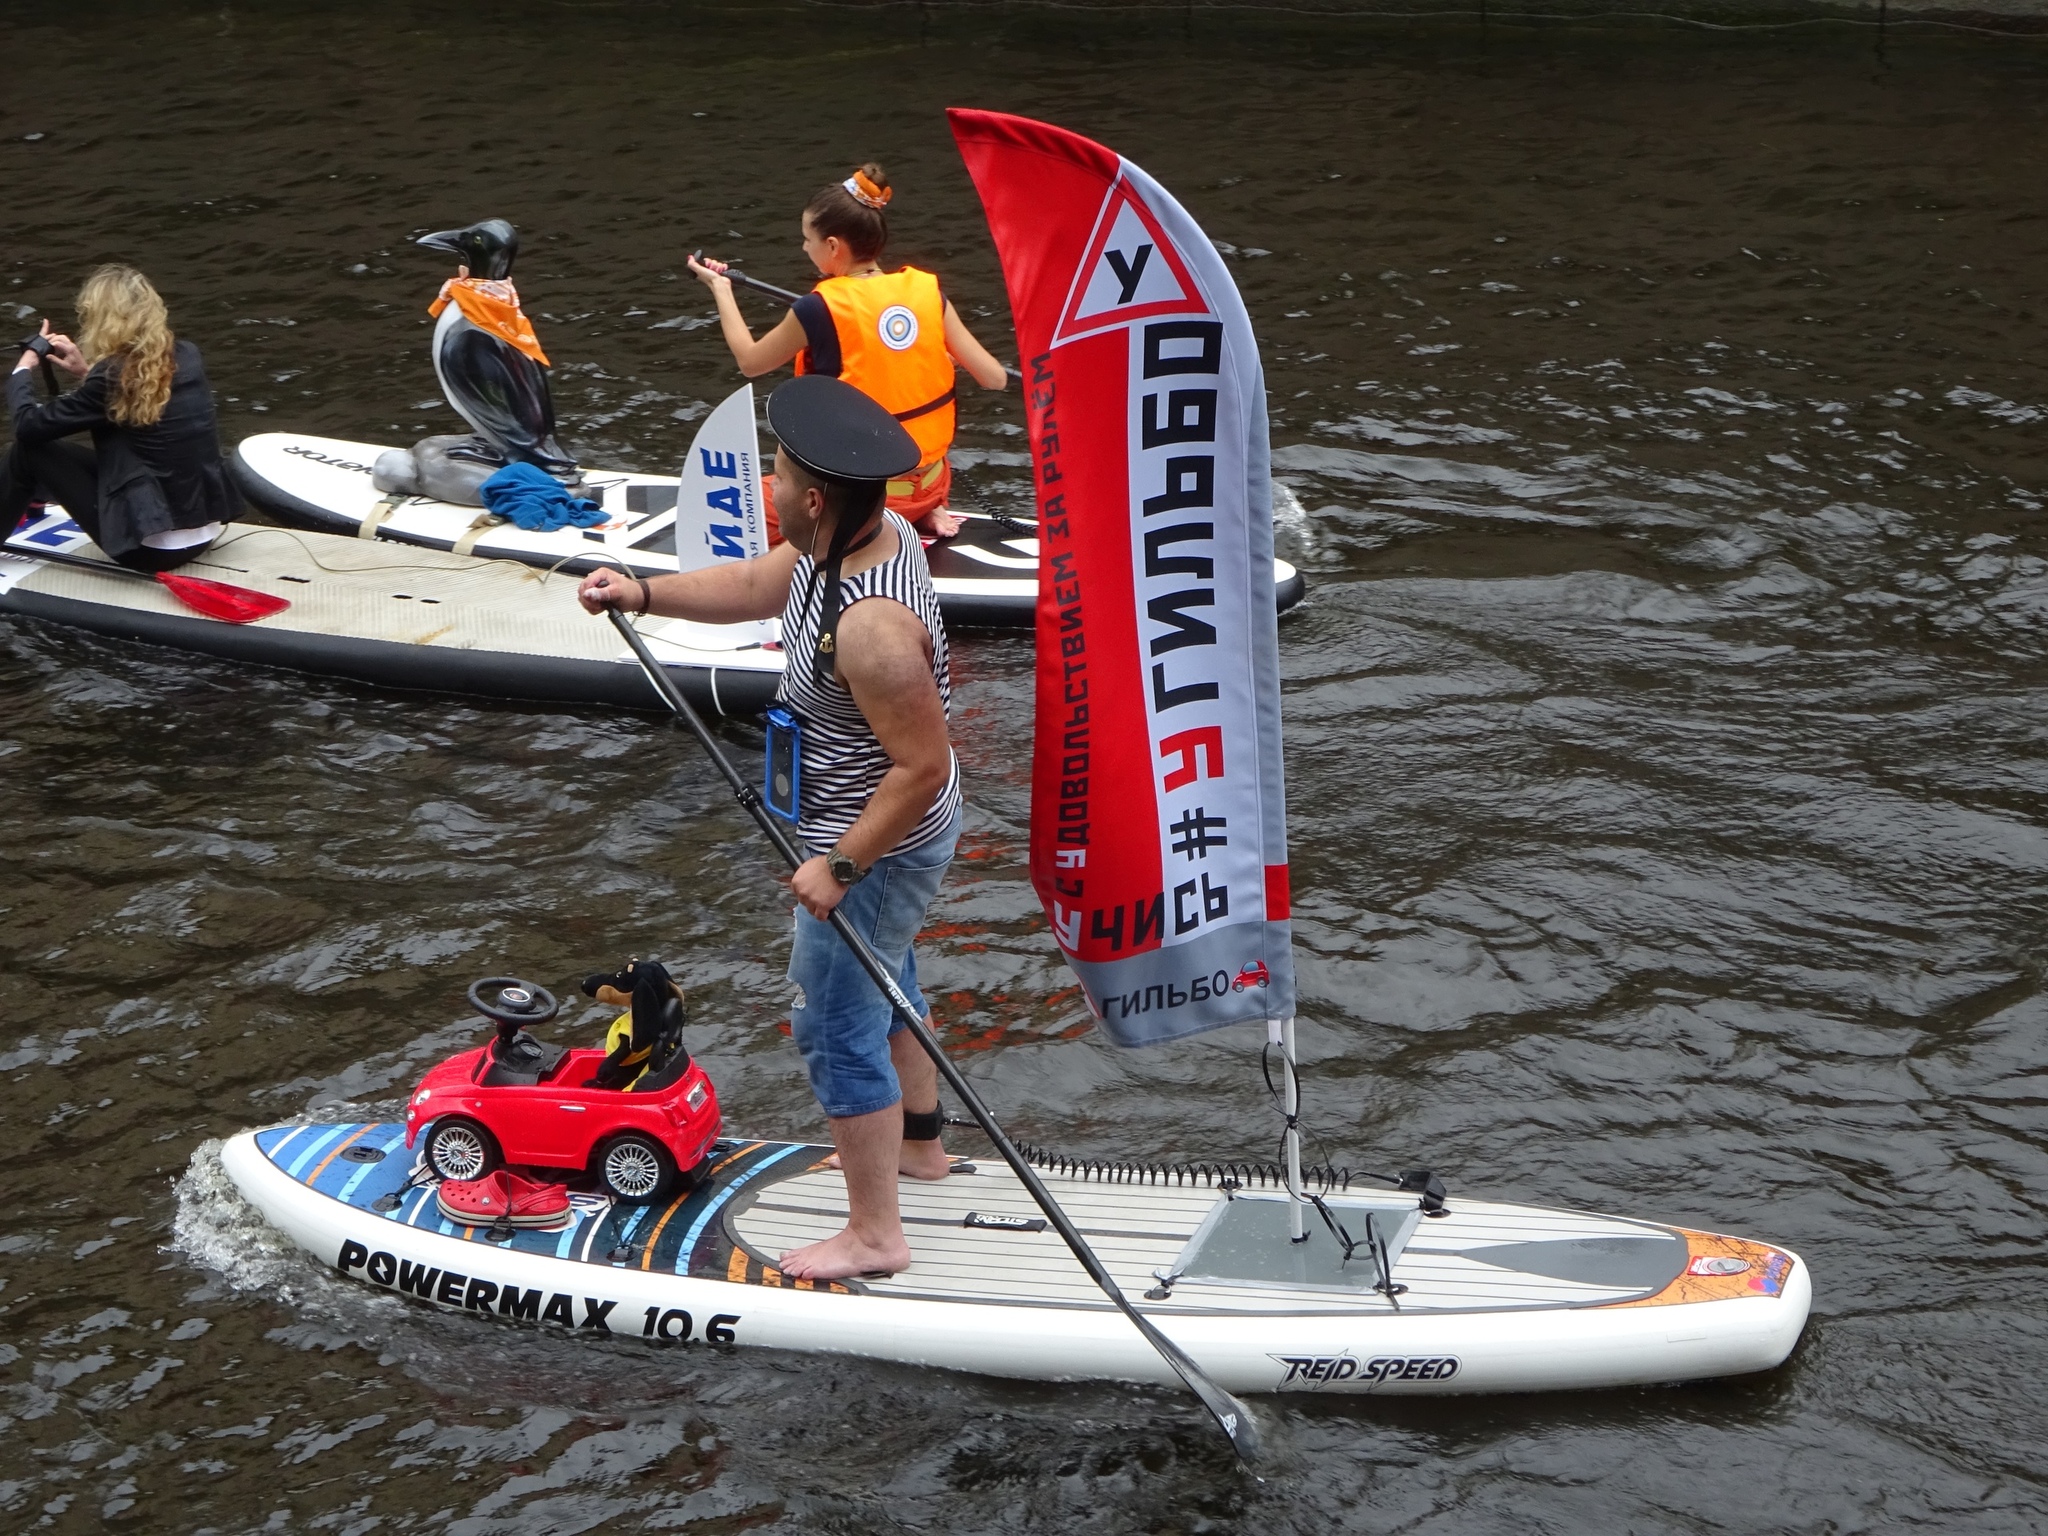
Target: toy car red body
{"x":516,"y":1101}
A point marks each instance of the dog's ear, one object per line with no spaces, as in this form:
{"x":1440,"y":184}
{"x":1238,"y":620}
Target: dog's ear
{"x":657,"y":1000}
{"x":597,"y":983}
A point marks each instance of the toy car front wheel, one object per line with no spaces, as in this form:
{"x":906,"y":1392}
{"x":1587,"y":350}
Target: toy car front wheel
{"x":635,"y":1168}
{"x":458,"y":1148}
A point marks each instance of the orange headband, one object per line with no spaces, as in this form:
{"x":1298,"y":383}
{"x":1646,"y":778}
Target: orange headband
{"x":866,"y":192}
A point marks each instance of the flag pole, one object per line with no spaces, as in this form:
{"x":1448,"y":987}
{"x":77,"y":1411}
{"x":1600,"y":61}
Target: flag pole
{"x":1230,"y":1414}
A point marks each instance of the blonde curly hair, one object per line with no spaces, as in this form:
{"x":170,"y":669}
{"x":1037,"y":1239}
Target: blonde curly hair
{"x":121,"y":315}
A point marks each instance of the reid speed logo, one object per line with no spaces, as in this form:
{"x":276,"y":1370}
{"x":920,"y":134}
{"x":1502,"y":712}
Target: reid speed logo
{"x":1309,"y":1372}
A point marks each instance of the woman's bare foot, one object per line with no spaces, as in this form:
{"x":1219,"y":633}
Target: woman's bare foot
{"x":845,"y":1256}
{"x":939,"y":523}
{"x":919,"y":1160}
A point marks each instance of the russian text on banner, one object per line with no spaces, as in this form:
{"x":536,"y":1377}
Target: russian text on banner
{"x":1158,"y":812}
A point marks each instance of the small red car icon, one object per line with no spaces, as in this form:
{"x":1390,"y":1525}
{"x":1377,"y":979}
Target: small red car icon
{"x":1253,"y":975}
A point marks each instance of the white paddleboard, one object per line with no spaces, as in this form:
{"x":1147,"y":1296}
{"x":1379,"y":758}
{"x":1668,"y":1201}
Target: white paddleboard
{"x":392,"y":616}
{"x":985,"y":575}
{"x":1493,"y":1298}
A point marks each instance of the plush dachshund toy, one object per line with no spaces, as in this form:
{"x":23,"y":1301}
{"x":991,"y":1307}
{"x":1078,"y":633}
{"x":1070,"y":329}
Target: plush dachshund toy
{"x":644,"y":1047}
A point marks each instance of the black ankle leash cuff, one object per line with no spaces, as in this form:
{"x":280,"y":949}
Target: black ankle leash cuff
{"x":924,"y":1127}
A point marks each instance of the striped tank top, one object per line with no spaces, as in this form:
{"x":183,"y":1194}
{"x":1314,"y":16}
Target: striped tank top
{"x":843,"y":763}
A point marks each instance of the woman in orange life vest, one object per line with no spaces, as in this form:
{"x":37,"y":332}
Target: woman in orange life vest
{"x":895,"y":336}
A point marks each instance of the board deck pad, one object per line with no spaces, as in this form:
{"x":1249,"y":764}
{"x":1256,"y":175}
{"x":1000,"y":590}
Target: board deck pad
{"x":1249,"y":1240}
{"x":761,"y":1198}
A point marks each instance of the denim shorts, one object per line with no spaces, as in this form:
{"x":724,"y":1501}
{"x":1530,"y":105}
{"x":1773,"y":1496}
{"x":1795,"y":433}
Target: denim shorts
{"x":839,"y":1018}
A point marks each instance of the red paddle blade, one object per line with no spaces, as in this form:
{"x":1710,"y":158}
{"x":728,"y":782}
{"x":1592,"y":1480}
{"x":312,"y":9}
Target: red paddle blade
{"x":218,"y":600}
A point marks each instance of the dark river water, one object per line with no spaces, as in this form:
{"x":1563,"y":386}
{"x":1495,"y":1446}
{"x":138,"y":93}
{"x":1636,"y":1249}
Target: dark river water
{"x":1664,"y":420}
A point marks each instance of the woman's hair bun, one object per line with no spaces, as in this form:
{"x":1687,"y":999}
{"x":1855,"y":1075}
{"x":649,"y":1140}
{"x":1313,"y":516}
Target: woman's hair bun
{"x":854,"y":210}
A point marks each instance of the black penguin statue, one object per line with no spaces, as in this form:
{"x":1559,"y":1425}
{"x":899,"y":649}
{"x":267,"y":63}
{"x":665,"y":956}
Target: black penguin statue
{"x":486,"y":355}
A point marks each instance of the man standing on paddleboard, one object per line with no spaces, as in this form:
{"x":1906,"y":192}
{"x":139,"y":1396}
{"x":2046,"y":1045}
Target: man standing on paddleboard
{"x":879,"y":786}
{"x":894,"y":336}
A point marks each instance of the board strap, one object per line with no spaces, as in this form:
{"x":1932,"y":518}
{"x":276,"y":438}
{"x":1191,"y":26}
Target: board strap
{"x":367,"y":528}
{"x":484,"y":523}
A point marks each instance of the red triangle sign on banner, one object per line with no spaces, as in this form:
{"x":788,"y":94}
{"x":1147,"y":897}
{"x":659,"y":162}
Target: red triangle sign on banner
{"x":1131,"y":272}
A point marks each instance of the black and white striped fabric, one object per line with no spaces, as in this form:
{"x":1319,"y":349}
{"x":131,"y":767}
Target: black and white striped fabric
{"x":843,"y":763}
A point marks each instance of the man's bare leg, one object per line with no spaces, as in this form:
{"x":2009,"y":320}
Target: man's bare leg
{"x":872,"y":1242}
{"x":919,"y":1079}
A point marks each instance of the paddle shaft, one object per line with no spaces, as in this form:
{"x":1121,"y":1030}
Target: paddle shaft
{"x":787,"y":297}
{"x":84,"y":563}
{"x":758,"y":286}
{"x":1230,"y":1414}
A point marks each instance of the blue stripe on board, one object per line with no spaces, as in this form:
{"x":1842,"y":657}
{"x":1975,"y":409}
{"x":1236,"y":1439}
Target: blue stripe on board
{"x":735,"y":1166}
{"x":307,"y":1144}
{"x":634,"y":1223}
{"x":363,"y":1170}
{"x":689,"y":1243}
{"x":336,"y":1170}
{"x":274,"y":1141}
{"x":426,"y":1198}
{"x":569,"y":1234}
{"x":313,"y":1150}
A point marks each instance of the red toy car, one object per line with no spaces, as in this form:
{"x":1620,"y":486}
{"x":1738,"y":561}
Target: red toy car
{"x":529,"y":1104}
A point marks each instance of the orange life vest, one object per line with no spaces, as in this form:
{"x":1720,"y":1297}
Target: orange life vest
{"x":892,"y":348}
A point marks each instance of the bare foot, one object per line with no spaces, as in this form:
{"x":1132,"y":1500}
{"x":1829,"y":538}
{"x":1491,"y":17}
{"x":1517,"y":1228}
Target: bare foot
{"x":919,"y":1160}
{"x":940,"y":524}
{"x":845,"y":1256}
{"x":924,"y":1160}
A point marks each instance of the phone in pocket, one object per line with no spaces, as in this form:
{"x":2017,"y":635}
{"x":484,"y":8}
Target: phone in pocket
{"x":781,"y":788}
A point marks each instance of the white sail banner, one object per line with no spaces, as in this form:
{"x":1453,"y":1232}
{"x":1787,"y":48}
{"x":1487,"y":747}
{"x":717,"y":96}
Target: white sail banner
{"x":1158,"y":811}
{"x":721,"y":508}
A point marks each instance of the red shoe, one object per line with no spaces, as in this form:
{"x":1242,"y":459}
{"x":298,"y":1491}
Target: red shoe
{"x":534,"y":1202}
{"x":480,"y":1202}
{"x":505,"y":1199}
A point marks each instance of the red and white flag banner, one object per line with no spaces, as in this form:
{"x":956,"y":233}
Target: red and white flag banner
{"x":1158,"y":813}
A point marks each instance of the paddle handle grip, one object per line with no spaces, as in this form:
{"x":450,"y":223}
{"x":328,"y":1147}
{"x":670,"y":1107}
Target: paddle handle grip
{"x":744,"y":281}
{"x":1229,"y":1413}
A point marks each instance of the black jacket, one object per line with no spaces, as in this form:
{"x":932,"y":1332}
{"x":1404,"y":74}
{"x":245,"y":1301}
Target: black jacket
{"x":167,"y":475}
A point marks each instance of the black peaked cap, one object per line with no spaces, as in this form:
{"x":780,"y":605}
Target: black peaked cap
{"x":834,"y":430}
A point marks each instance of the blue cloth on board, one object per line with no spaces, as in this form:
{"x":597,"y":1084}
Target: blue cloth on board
{"x":535,"y":500}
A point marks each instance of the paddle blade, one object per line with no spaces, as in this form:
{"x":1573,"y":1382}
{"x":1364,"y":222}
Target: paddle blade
{"x":218,"y":600}
{"x":1232,"y":1417}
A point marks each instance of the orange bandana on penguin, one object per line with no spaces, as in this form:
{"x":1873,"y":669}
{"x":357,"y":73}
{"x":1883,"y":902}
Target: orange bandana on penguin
{"x":491,"y":304}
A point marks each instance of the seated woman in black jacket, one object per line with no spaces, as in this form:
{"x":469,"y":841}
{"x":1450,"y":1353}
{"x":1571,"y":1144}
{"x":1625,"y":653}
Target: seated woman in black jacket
{"x":152,"y":490}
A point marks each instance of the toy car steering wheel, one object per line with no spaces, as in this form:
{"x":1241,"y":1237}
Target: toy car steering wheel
{"x":519,"y":1003}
